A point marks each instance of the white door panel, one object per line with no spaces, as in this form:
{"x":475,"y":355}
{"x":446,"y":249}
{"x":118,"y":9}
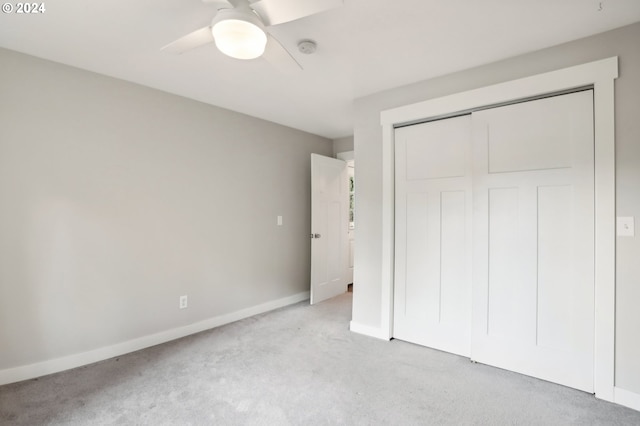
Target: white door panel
{"x":433,"y":206}
{"x":518,"y":180}
{"x":454,"y":280}
{"x":329,"y":227}
{"x":533,"y":305}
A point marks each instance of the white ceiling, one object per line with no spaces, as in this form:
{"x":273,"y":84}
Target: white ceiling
{"x":364,"y":47}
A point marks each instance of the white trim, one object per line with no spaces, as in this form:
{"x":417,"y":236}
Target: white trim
{"x":368,"y":330}
{"x":31,"y":371}
{"x":601,"y":75}
{"x":388,"y":229}
{"x":605,"y":236}
{"x":626,"y":398}
{"x":346,"y":156}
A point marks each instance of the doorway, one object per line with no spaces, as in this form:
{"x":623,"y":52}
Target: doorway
{"x":349,"y":157}
{"x":517,"y":181}
{"x":600,"y":75}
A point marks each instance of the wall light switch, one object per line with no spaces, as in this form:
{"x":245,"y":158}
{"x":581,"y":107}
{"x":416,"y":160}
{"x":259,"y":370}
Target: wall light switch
{"x":279,"y":221}
{"x":625,"y":227}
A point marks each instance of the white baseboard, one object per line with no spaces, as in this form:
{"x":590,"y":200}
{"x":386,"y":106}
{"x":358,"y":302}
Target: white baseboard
{"x":56,"y":365}
{"x":367,"y":330}
{"x":626,"y":398}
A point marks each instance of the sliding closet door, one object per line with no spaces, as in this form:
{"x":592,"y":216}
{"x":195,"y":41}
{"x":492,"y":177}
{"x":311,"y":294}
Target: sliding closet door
{"x":432,"y":289}
{"x":533,"y":250}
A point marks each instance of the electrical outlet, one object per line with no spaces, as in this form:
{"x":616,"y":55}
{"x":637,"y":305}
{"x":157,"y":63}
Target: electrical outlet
{"x":279,"y":221}
{"x":183,"y":301}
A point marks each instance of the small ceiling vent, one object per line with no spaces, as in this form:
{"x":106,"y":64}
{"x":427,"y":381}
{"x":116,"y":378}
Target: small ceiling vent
{"x":307,"y":47}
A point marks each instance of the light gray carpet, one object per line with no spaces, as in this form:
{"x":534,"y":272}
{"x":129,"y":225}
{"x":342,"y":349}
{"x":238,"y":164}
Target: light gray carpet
{"x":297,"y":366}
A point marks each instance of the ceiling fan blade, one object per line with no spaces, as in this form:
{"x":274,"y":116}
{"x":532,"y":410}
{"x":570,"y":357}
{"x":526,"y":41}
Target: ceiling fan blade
{"x":190,"y":41}
{"x":274,"y":12}
{"x":279,"y":57}
{"x":220,"y":4}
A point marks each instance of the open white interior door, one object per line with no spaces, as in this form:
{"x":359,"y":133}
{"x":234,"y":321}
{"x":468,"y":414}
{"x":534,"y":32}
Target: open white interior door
{"x":329,"y":227}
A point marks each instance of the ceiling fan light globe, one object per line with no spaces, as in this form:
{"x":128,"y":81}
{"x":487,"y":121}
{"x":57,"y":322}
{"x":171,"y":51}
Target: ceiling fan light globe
{"x":239,"y":39}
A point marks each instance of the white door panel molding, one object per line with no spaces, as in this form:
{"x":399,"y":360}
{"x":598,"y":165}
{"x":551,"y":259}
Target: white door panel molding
{"x":599,"y":75}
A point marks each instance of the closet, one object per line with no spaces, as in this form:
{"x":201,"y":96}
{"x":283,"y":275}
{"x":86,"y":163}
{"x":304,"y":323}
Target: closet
{"x":494,"y":237}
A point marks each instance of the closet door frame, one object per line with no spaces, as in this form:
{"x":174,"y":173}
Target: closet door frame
{"x":599,"y":75}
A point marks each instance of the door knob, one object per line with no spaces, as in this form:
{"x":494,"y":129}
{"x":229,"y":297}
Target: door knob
{"x":316,"y":235}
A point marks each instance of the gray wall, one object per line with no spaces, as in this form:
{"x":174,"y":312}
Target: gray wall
{"x":116,"y":199}
{"x":623,"y":42}
{"x":342,"y":145}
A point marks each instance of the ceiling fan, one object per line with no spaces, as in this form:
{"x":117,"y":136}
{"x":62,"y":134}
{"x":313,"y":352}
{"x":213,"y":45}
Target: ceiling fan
{"x":240,"y":28}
